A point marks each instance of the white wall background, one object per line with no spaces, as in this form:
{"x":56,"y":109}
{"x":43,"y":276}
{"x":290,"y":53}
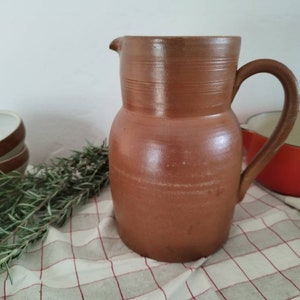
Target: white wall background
{"x":57,"y":72}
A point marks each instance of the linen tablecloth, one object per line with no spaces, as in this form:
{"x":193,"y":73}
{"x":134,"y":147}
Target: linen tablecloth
{"x":85,"y":259}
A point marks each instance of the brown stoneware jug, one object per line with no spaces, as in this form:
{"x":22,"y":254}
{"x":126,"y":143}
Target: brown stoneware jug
{"x":175,"y":147}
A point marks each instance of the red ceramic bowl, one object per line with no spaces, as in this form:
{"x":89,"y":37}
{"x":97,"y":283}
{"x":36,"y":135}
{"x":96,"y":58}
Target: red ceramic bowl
{"x":282,"y":174}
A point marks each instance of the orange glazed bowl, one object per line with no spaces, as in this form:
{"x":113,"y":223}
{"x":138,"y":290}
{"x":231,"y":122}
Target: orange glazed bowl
{"x":282,"y":174}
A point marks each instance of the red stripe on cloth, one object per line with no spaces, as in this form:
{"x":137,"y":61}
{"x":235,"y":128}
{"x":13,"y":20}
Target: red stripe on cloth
{"x":285,"y":242}
{"x":245,"y":210}
{"x":4,"y":286}
{"x":187,"y":285}
{"x":261,"y":199}
{"x":7,"y":274}
{"x":268,"y":259}
{"x":191,"y":268}
{"x":74,"y":261}
{"x":152,"y":274}
{"x":103,"y":247}
{"x":278,"y":208}
{"x":41,"y":270}
{"x":237,"y":264}
{"x":212,"y":281}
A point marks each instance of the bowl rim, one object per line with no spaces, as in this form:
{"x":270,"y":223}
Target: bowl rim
{"x":246,"y":125}
{"x":15,"y":137}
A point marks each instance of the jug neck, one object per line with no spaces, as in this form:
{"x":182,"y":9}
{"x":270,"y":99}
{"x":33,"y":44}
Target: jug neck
{"x":177,"y":76}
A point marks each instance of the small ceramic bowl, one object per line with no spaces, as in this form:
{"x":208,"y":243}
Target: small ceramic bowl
{"x":12,"y":134}
{"x":17,"y":163}
{"x":282,"y":174}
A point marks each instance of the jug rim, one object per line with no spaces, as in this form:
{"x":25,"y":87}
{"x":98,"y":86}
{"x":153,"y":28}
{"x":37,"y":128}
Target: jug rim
{"x":166,"y":37}
{"x":116,"y":44}
{"x":180,"y":36}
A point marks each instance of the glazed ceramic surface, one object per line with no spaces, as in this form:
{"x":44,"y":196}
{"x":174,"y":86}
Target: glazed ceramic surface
{"x":176,"y":145}
{"x":282,"y":174}
{"x":17,"y":162}
{"x":12,"y":134}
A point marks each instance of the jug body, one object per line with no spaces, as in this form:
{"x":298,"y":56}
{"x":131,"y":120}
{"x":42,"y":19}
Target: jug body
{"x":175,"y":146}
{"x":174,"y":182}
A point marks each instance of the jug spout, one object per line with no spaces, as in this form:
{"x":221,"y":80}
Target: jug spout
{"x":116,"y":44}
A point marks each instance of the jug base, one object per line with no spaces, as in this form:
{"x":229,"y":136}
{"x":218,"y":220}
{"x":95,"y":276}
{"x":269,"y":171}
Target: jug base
{"x":170,"y":254}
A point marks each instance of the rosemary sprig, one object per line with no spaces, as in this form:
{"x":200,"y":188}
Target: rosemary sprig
{"x":46,"y":196}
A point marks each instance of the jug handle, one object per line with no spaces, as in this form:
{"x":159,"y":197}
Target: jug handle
{"x":285,"y":123}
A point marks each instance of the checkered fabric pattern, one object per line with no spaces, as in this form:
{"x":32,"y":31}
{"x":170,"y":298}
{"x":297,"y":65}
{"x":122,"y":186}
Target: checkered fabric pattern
{"x":86,"y":259}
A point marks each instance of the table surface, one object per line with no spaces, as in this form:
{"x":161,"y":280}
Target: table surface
{"x":86,"y":259}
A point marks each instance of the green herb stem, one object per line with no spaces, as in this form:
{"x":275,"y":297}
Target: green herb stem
{"x":46,"y":196}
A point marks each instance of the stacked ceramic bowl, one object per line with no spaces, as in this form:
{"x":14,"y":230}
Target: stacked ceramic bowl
{"x":14,"y":154}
